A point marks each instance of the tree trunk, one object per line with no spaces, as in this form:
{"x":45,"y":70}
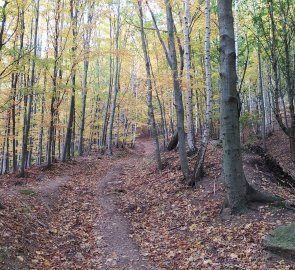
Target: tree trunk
{"x":106,"y":115}
{"x":208,"y":123}
{"x":87,"y":38}
{"x":177,"y":92}
{"x":149,"y":87}
{"x":289,"y":79}
{"x":261,"y":90}
{"x":70,"y":127}
{"x":238,"y":192}
{"x":116,"y":85}
{"x":189,"y":92}
{"x":53,"y":106}
{"x":27,"y":122}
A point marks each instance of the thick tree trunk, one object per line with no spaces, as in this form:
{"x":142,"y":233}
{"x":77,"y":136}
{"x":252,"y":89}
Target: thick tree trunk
{"x":238,"y":191}
{"x":234,"y":178}
{"x":289,"y":78}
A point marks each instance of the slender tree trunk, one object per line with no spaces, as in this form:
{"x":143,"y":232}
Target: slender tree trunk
{"x":106,"y":115}
{"x":53,"y":106}
{"x":260,"y":83}
{"x":177,"y":93}
{"x":13,"y":128}
{"x":27,"y":121}
{"x":116,"y":85}
{"x":162,"y":110}
{"x":69,"y":139}
{"x":149,"y":87}
{"x":189,"y":92}
{"x":84,"y":97}
{"x":5,"y":168}
{"x":41,"y":132}
{"x":274,"y":63}
{"x":208,"y":123}
{"x":87,"y":39}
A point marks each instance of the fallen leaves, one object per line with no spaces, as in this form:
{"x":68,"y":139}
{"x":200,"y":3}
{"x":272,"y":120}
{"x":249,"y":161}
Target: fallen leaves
{"x":53,"y":224}
{"x":181,"y":228}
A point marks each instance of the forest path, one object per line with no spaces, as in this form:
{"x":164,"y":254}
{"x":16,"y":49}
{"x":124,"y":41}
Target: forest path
{"x":120,"y":251}
{"x":68,"y":218}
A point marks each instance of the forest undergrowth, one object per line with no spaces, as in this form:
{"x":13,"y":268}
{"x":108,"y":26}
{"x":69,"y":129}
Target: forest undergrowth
{"x":52,"y":219}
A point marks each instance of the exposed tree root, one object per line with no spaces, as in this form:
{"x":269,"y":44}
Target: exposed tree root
{"x":254,"y":195}
{"x":173,"y":142}
{"x":272,"y":166}
{"x":2,"y":206}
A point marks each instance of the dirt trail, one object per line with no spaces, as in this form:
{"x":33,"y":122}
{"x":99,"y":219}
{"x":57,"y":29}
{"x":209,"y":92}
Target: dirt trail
{"x":114,"y":235}
{"x":71,"y":220}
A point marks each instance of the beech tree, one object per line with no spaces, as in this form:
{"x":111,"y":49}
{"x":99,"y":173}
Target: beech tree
{"x":61,"y":97}
{"x":239,"y":193}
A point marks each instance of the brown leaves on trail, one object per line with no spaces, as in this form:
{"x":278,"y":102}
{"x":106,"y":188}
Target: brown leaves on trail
{"x":51,"y":222}
{"x":181,"y":228}
{"x":56,"y":228}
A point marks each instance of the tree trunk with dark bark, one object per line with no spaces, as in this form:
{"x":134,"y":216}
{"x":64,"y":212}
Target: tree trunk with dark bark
{"x":149,"y":87}
{"x":238,"y":191}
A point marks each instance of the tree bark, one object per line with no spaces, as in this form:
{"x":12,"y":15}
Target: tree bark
{"x":260,"y":83}
{"x":116,"y":85}
{"x":177,"y":92}
{"x":27,"y":123}
{"x":189,"y":92}
{"x":149,"y":88}
{"x":53,"y":105}
{"x":70,"y":126}
{"x":208,"y":123}
{"x":238,"y":192}
{"x":87,"y":38}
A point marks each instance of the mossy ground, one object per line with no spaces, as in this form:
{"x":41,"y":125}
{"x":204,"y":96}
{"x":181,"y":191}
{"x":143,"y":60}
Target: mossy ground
{"x":283,"y":236}
{"x":28,"y":192}
{"x":281,"y":241}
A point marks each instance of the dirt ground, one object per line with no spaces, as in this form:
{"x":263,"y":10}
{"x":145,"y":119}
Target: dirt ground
{"x":67,"y":218}
{"x":122,"y":213}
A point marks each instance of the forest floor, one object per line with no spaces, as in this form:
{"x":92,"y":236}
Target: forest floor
{"x":121,"y":213}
